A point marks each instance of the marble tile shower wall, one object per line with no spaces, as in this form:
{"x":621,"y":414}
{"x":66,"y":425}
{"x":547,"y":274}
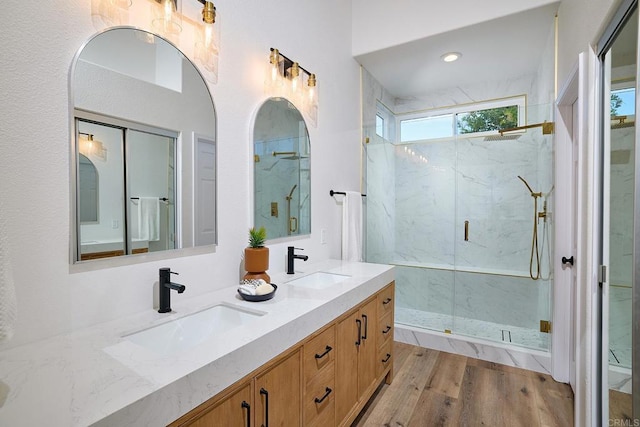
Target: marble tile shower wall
{"x":506,"y":300}
{"x":284,"y":173}
{"x":621,"y":244}
{"x":468,"y":180}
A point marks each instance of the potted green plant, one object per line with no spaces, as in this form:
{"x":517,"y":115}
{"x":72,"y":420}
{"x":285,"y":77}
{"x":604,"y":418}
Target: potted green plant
{"x":256,"y":256}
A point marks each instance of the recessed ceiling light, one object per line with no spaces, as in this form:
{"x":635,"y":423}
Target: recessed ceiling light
{"x":451,"y":56}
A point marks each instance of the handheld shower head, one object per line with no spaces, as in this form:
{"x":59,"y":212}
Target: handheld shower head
{"x":533,"y":194}
{"x":290,"y":196}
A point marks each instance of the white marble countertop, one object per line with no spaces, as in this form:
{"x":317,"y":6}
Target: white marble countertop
{"x":95,"y":377}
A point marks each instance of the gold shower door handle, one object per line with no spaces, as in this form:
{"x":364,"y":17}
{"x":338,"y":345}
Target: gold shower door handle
{"x":293,"y":224}
{"x":466,"y":231}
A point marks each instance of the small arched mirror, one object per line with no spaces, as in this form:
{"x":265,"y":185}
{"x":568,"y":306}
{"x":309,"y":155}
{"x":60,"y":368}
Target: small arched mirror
{"x":145,"y":121}
{"x":282,"y":181}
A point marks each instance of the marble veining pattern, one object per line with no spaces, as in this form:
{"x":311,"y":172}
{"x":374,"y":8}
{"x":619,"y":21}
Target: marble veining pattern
{"x":94,"y":377}
{"x":505,"y":354}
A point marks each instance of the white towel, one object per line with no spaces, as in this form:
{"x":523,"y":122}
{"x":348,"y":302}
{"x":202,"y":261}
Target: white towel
{"x":8,"y":304}
{"x":352,"y":226}
{"x":149,"y":218}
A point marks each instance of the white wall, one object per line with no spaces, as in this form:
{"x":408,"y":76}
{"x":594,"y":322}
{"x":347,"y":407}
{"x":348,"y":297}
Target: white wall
{"x":38,"y":47}
{"x":580,"y":23}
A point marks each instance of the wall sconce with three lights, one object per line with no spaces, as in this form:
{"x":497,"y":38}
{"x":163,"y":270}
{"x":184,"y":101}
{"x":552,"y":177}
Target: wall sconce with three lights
{"x":188,"y":24}
{"x":288,"y":79}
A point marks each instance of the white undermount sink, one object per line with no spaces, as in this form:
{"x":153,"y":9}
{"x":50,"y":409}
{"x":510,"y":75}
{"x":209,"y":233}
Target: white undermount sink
{"x":318,"y":280}
{"x":188,"y":331}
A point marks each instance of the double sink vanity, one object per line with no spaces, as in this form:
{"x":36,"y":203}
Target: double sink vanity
{"x":312,"y":355}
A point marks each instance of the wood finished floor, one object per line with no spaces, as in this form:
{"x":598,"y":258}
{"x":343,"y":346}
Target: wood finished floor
{"x":432,"y":388}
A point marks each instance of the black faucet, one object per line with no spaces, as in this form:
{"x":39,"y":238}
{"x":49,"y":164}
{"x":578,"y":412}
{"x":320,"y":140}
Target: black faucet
{"x":291,"y":255}
{"x":164,"y":290}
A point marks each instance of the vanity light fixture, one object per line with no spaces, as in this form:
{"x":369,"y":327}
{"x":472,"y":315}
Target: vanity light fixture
{"x":91,"y":147}
{"x":166,"y":18}
{"x":288,"y":79}
{"x":110,"y":12}
{"x":207,"y":46}
{"x":451,"y":56}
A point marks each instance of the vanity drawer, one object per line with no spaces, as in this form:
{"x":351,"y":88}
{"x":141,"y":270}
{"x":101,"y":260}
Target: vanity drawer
{"x":386,"y":300}
{"x":319,"y":352}
{"x":319,"y":401}
{"x":385,"y":357}
{"x":385,"y":329}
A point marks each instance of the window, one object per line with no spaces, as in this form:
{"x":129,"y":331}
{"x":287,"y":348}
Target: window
{"x":478,"y":119}
{"x":487,"y":120}
{"x":379,"y":125}
{"x":385,"y":122}
{"x":426,"y":128}
{"x":623,"y":102}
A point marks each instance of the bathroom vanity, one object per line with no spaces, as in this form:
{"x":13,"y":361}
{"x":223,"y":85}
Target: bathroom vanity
{"x":312,"y":355}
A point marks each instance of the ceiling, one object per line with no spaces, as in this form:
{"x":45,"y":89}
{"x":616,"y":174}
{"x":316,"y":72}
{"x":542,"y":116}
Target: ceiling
{"x":495,"y":50}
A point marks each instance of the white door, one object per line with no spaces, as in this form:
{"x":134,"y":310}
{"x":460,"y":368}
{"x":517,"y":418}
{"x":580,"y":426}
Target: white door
{"x":205,"y":191}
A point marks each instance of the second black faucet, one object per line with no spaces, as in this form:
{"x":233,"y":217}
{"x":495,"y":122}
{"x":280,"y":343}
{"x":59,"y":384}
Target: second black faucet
{"x":291,"y":255}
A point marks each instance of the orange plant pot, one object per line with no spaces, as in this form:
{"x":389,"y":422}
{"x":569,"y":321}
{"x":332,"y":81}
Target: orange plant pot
{"x":256,"y":262}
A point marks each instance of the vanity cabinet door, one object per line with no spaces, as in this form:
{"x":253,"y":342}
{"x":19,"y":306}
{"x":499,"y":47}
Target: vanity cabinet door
{"x":347,"y":342}
{"x":278,"y":394}
{"x":232,"y":411}
{"x":368,"y":349}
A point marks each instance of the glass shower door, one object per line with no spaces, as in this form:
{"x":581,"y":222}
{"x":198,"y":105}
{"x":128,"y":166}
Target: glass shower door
{"x":500,"y":242}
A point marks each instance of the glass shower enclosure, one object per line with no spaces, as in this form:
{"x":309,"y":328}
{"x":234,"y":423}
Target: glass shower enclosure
{"x":467,"y":221}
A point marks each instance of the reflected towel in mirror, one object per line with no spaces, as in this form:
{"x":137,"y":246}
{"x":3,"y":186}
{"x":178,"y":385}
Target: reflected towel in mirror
{"x":149,"y":218}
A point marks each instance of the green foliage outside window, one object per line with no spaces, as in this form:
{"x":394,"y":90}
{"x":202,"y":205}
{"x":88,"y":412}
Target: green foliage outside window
{"x":487,"y":120}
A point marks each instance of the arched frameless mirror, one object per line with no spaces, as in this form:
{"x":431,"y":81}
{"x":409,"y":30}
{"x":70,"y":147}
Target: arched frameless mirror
{"x":282,"y":181}
{"x":145,"y":120}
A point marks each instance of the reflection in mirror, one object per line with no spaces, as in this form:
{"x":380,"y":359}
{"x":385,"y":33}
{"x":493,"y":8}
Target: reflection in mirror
{"x":88,"y":190}
{"x":145,"y":120}
{"x":621,"y":70}
{"x":282,"y":183}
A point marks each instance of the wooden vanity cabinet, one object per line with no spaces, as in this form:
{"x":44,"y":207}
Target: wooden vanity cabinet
{"x":355,"y":357}
{"x":270,"y":397}
{"x":325,"y":380}
{"x":319,"y":378}
{"x":277,"y":394}
{"x":232,"y":409}
{"x":385,"y":303}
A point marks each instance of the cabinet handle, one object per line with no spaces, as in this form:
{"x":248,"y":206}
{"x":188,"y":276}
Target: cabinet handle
{"x":387,"y":301}
{"x":266,"y":406}
{"x":386,"y":331}
{"x":326,"y":351}
{"x":248,"y":408}
{"x":359,"y":323}
{"x":366,"y":326}
{"x":326,"y":394}
{"x":386,"y":359}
